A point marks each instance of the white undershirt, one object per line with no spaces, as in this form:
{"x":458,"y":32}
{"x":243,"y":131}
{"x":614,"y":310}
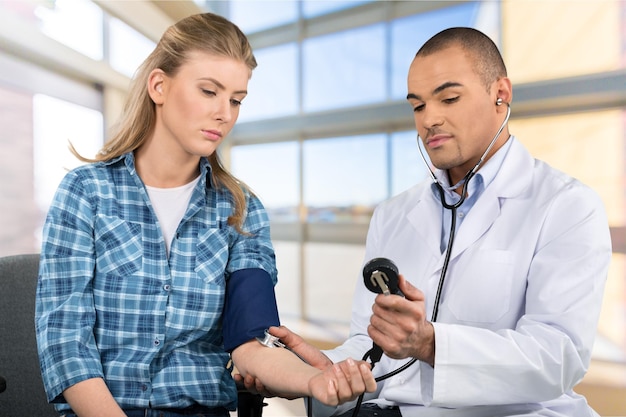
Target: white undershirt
{"x":170,"y":205}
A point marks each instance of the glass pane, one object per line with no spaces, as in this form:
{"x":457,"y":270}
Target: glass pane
{"x":344,"y":69}
{"x":56,"y":123}
{"x":288,"y":287}
{"x":253,"y":16}
{"x":331,"y":266}
{"x":75,"y":23}
{"x":344,"y":178}
{"x":312,"y":8}
{"x":273,"y":88}
{"x":276,"y":183}
{"x":128,"y":48}
{"x":407,"y":166}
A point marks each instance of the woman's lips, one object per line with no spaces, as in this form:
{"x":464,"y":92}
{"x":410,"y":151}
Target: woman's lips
{"x":212,"y":135}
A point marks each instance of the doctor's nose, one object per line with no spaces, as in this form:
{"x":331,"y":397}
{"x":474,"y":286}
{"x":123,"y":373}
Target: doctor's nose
{"x":431,"y":118}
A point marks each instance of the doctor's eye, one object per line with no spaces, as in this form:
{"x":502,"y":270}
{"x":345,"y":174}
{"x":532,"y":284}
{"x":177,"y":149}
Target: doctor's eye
{"x":451,"y":100}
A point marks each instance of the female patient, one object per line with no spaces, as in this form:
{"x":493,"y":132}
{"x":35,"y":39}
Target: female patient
{"x":156,"y":263}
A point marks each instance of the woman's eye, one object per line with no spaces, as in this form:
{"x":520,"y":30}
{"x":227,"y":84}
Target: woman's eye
{"x":451,"y":100}
{"x":418,"y":108}
{"x":235,"y":103}
{"x":208,"y":92}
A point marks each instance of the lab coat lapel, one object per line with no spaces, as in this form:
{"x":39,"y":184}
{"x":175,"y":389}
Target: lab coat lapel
{"x":514,"y":176}
{"x":425,"y":218}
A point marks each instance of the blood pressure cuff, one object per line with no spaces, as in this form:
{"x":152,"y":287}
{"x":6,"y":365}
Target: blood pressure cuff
{"x":249,"y":307}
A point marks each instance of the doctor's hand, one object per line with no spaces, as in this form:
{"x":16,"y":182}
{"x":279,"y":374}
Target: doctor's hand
{"x":400,"y":326}
{"x":305,"y":351}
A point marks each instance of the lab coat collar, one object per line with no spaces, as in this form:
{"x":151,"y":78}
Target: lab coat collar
{"x":512,"y":179}
{"x":515,"y":176}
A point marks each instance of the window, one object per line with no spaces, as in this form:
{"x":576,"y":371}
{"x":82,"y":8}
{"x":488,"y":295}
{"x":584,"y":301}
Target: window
{"x":344,"y":69}
{"x":272,"y":93}
{"x":75,"y":23}
{"x":272,"y":172}
{"x":408,"y":34}
{"x":56,"y":124}
{"x":331,"y":266}
{"x":127,"y":47}
{"x":252,"y":16}
{"x":407,"y":166}
{"x":312,"y":8}
{"x":344,"y":177}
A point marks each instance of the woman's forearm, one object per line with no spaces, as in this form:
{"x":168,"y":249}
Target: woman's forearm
{"x":283,"y":373}
{"x":92,"y":398}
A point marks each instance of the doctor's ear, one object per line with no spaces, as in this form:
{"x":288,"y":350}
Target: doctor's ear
{"x":156,"y":80}
{"x":504,"y":92}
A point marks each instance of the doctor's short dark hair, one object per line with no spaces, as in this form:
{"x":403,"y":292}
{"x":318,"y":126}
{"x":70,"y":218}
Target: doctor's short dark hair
{"x":483,"y":52}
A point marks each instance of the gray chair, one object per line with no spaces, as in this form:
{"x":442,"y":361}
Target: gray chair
{"x":19,"y":364}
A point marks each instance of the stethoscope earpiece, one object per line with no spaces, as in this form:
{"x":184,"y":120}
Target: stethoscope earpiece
{"x":499,"y":101}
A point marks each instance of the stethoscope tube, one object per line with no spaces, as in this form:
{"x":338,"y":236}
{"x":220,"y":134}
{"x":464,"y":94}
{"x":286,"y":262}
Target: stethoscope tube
{"x":453,"y":207}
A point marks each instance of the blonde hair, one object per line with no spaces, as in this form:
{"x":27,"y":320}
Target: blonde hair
{"x":206,"y":32}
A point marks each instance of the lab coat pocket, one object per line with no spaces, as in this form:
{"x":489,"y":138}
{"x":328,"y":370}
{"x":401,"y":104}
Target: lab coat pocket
{"x":481,"y":286}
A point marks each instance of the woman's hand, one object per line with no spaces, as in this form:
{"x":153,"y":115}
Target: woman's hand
{"x":342,"y":382}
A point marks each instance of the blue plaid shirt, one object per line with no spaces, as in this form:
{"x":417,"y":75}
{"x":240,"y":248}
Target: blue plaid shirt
{"x":110,"y":303}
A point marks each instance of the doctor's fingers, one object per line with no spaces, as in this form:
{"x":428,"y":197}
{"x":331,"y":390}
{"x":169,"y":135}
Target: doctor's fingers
{"x":396,"y":343}
{"x":305,"y":351}
{"x":410,"y":292}
{"x":397,"y":308}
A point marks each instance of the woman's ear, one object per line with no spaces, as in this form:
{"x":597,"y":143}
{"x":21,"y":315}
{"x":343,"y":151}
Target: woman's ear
{"x":156,"y":79}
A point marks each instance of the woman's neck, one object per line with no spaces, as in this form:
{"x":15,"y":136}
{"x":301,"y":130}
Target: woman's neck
{"x":160,"y":169}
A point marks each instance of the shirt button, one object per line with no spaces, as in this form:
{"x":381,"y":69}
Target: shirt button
{"x":157,"y":342}
{"x":144,"y":387}
{"x":167,"y":287}
{"x":461,"y":215}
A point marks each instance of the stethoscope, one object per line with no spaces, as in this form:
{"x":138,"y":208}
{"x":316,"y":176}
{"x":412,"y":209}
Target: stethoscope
{"x":452,"y":207}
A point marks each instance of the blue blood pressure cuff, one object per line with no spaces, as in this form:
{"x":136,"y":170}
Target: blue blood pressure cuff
{"x":249,"y":307}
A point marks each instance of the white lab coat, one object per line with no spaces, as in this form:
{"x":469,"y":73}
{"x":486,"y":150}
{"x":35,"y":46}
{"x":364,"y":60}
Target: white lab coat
{"x":522,"y":297}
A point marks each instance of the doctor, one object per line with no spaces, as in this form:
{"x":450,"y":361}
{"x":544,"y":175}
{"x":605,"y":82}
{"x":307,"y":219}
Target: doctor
{"x":514,"y":326}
